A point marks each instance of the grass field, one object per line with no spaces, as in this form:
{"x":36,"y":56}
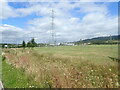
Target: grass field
{"x":91,"y":66}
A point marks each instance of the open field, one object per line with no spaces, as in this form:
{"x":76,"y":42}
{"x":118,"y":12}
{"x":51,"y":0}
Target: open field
{"x":91,"y":66}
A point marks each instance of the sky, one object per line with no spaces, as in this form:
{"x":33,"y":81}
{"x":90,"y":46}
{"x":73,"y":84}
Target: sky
{"x":72,"y":21}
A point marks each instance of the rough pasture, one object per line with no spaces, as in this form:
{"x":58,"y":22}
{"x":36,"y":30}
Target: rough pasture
{"x":63,"y":67}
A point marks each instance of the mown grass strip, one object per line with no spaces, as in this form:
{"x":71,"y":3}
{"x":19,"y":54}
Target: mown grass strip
{"x":15,"y":78}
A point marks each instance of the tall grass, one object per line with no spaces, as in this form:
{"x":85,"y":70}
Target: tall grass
{"x":67,"y":67}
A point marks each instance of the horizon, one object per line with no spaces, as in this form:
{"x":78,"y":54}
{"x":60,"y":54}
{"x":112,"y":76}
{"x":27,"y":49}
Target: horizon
{"x":58,"y":42}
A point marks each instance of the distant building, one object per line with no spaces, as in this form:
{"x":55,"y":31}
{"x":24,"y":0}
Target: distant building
{"x":69,"y":44}
{"x":58,"y":44}
{"x":89,"y":43}
{"x":52,"y":44}
{"x":86,"y":43}
{"x":6,"y":46}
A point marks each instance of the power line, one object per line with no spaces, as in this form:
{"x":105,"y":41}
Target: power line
{"x":52,"y":28}
{"x":110,"y":38}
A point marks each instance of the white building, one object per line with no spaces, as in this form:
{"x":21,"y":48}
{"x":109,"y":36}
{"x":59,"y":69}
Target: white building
{"x":5,"y":46}
{"x":69,"y":44}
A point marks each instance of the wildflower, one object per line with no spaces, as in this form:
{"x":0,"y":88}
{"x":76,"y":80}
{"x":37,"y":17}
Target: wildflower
{"x":3,"y":53}
{"x":32,"y":86}
{"x":97,"y":77}
{"x":47,"y":82}
{"x":75,"y":80}
{"x":91,"y":70}
{"x":110,"y":70}
{"x":110,"y":79}
{"x":80,"y":72}
{"x":93,"y":82}
{"x":117,"y":84}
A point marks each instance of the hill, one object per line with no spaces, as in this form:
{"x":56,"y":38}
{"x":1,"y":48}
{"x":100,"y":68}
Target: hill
{"x":101,"y":40}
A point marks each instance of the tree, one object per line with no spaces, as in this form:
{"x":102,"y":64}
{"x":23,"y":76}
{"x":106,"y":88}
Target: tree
{"x":32,"y":43}
{"x":28,"y":44}
{"x":23,"y":44}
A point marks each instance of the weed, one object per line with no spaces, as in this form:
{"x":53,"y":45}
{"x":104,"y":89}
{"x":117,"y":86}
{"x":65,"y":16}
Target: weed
{"x":67,"y":67}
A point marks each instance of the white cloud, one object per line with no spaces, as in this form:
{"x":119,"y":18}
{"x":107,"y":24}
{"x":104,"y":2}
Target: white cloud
{"x":95,"y":22}
{"x":88,"y":7}
{"x":7,"y":11}
{"x":62,"y":0}
{"x":11,"y":33}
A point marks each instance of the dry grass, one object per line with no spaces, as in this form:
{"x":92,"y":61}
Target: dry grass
{"x":64,"y":71}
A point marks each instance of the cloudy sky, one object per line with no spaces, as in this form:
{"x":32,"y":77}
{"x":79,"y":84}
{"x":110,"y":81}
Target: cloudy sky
{"x":73,"y":20}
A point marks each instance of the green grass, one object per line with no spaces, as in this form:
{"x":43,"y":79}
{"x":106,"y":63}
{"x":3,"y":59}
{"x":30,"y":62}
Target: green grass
{"x":62,"y":67}
{"x":95,"y":53}
{"x":15,"y":78}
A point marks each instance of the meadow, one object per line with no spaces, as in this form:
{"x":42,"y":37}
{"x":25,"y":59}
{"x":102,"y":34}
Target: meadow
{"x":90,"y":66}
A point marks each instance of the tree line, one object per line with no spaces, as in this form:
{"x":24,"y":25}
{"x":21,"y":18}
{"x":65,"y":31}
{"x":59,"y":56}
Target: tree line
{"x":31,"y":43}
